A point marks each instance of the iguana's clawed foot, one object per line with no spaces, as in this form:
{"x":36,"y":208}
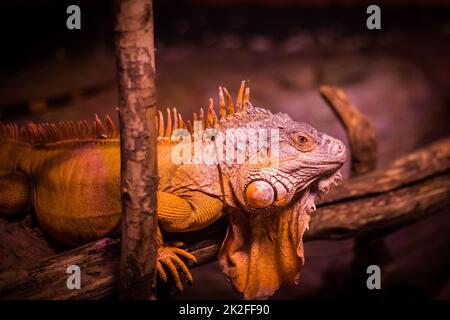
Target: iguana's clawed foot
{"x":169,"y":256}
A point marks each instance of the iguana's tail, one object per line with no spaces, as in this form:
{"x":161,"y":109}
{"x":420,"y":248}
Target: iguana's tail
{"x":15,"y":194}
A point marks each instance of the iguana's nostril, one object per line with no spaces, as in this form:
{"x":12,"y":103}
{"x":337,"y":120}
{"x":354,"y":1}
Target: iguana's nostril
{"x":337,"y":147}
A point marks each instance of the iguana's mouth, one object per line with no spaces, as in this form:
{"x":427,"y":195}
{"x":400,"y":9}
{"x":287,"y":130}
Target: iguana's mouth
{"x":319,"y":188}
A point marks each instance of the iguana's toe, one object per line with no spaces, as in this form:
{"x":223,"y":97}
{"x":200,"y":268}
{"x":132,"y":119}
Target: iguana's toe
{"x":169,"y":258}
{"x":167,"y":261}
{"x":185,"y":254}
{"x":161,"y":271}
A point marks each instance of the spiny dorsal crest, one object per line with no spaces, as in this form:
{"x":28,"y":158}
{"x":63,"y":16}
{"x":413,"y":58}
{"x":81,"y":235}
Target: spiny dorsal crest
{"x":42,"y":133}
{"x":228,"y":111}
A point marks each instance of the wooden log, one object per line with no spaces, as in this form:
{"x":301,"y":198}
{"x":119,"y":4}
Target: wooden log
{"x":99,"y":266}
{"x":413,"y":187}
{"x":419,"y":165}
{"x":360,"y":131}
{"x":137,"y":111}
{"x":380,"y":211}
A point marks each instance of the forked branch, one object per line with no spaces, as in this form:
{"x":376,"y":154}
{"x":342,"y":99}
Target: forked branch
{"x":360,"y":131}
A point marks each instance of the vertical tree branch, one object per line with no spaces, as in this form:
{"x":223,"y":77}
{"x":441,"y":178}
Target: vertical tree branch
{"x":137,"y":111}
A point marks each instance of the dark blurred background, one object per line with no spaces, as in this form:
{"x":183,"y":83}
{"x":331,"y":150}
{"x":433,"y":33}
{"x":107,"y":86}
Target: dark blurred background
{"x":398,"y":76}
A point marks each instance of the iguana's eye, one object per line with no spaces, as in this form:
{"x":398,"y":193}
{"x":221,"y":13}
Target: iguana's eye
{"x":303,"y":142}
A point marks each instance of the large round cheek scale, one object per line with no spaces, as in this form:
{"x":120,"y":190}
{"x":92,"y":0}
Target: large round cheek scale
{"x":260,"y":194}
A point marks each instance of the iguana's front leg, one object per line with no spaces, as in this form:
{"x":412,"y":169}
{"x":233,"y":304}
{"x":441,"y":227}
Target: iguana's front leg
{"x":177,"y":214}
{"x":187,"y":212}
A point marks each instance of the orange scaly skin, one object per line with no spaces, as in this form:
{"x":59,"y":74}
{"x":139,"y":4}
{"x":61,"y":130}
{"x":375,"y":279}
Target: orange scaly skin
{"x":74,"y":187}
{"x":69,"y":173}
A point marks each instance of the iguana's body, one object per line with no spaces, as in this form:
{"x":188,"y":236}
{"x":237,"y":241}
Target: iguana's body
{"x":87,"y":175}
{"x":70,"y":174}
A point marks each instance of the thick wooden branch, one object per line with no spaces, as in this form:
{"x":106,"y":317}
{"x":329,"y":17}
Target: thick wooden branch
{"x":378,"y":211}
{"x":137,"y":111}
{"x":412,"y":188}
{"x":360,"y":131}
{"x":99,"y":265}
{"x":415,"y":167}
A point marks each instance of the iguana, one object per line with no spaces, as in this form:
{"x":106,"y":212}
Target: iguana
{"x":69,"y":173}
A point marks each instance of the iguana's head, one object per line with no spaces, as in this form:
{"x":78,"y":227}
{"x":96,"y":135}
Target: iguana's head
{"x":299,"y":160}
{"x":303,"y":160}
